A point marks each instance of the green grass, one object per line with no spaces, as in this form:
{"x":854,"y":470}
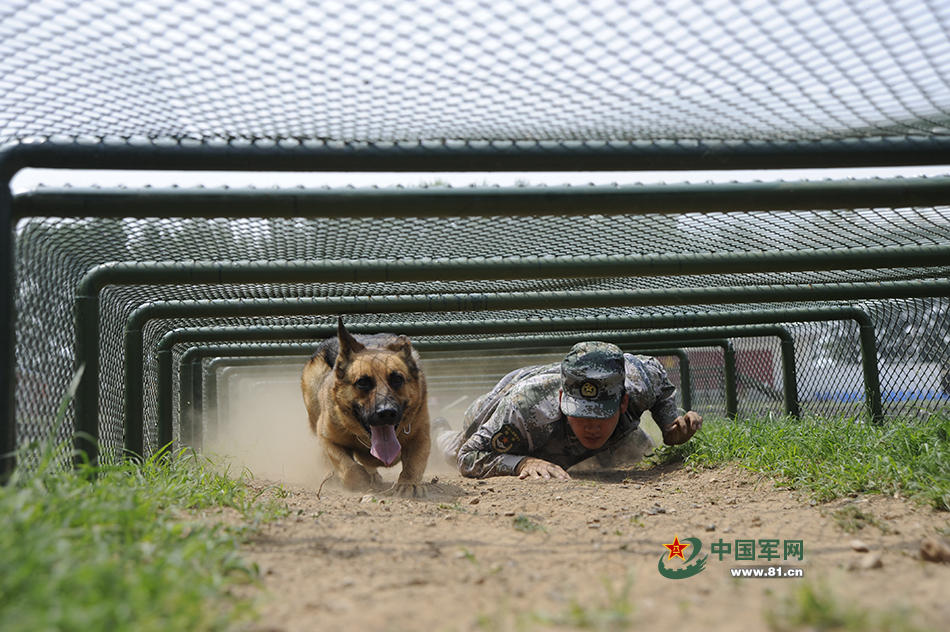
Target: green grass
{"x":851,"y":519}
{"x":813,"y":607}
{"x":524,"y":523}
{"x":832,"y":457}
{"x":613,"y":613}
{"x":126,"y":546}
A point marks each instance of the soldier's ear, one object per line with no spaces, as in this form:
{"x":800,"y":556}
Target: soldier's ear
{"x":624,"y":402}
{"x":402,"y":345}
{"x":348,"y":347}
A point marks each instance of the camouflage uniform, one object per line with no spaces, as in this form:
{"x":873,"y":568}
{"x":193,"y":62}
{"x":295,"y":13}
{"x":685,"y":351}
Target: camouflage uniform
{"x":521,"y":417}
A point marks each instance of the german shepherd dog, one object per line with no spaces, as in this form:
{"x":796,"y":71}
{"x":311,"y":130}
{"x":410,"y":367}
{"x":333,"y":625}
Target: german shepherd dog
{"x":366,"y":399}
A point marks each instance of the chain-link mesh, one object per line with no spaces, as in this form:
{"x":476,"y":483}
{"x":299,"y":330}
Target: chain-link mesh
{"x":697,"y":70}
{"x":913,"y":335}
{"x":689,"y":74}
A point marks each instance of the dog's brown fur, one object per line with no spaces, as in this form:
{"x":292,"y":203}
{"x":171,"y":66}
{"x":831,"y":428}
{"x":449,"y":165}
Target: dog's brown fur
{"x":338,"y":407}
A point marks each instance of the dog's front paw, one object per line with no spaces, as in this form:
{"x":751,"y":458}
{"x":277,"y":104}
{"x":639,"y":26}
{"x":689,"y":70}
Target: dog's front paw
{"x":408,"y":490}
{"x":358,"y":479}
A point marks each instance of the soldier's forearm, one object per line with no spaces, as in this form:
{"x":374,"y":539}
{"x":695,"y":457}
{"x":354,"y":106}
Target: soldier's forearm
{"x":483,"y":464}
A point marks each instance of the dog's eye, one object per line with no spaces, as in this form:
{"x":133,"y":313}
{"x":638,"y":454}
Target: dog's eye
{"x":365,"y":383}
{"x":396,"y":380}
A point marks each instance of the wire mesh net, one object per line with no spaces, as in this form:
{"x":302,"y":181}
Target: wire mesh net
{"x":513,"y":77}
{"x":913,"y":336}
{"x":696,"y":70}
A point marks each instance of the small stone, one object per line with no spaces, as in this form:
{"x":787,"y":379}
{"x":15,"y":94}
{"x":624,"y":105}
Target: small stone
{"x":435,"y":479}
{"x":935,"y":550}
{"x":727,"y":530}
{"x":509,"y":513}
{"x":368,"y":498}
{"x":474,"y":501}
{"x":638,"y":486}
{"x":655,"y":509}
{"x":859,"y":546}
{"x":558,"y":498}
{"x":710,"y":527}
{"x":872,"y":560}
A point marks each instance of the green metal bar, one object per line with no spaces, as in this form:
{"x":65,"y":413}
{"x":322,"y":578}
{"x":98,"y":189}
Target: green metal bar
{"x":789,"y":378}
{"x":197,"y":414}
{"x":530,"y":267}
{"x":760,"y":317}
{"x":731,"y":383}
{"x":515,"y":300}
{"x":686,"y":383}
{"x":317,"y":332}
{"x":186,"y":403}
{"x":178,"y":272}
{"x":165,"y":420}
{"x":8,"y":434}
{"x":165,"y":435}
{"x":475,"y":155}
{"x":469,"y":201}
{"x":294,"y":349}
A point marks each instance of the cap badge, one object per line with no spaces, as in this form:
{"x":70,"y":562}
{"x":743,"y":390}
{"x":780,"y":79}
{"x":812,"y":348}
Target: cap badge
{"x":588,"y":390}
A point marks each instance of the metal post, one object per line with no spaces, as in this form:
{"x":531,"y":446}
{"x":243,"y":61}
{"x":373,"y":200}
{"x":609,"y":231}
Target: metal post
{"x":165,"y":431}
{"x":8,"y":443}
{"x":197,"y":413}
{"x":686,"y":387}
{"x":186,"y":403}
{"x":872,"y":379}
{"x":729,"y":371}
{"x":789,"y":377}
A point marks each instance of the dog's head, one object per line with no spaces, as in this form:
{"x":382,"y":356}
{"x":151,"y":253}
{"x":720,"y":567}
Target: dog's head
{"x":379,"y":386}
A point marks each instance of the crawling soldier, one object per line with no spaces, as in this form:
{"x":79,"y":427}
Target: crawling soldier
{"x":540,"y":420}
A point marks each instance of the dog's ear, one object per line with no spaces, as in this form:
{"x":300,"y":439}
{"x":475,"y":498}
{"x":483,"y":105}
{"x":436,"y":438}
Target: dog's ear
{"x":348,"y":346}
{"x":401,"y":345}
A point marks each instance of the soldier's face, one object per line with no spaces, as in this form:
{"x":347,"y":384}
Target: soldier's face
{"x":593,"y":433}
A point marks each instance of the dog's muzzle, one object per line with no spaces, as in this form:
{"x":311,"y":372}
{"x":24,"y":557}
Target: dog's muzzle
{"x":388,"y":415}
{"x":381,"y":424}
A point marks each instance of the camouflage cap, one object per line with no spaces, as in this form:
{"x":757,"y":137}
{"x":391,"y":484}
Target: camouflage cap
{"x":592,"y":376}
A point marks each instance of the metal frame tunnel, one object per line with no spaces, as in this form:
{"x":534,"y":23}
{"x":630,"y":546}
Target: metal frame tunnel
{"x":676,"y":337}
{"x":448,"y":157}
{"x":156,"y":310}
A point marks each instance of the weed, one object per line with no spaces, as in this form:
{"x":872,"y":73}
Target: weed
{"x":526,"y":524}
{"x":616,"y":613}
{"x":813,"y":607}
{"x":851,"y":519}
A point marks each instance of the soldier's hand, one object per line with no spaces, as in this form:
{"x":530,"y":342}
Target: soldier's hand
{"x":683,"y":428}
{"x":539,"y":468}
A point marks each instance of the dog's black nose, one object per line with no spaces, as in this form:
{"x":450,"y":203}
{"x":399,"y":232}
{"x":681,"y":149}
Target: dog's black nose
{"x":383,"y":416}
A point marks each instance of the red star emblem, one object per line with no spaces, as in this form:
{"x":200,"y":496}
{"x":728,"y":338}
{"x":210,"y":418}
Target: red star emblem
{"x":676,"y":549}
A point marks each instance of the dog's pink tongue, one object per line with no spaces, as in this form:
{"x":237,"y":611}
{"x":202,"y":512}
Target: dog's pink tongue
{"x":383,"y":443}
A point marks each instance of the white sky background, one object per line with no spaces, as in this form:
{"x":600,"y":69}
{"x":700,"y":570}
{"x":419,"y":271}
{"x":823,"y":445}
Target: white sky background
{"x":30,"y":179}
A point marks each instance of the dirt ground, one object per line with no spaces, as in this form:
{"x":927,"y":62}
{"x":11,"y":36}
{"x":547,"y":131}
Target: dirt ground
{"x":505,"y":554}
